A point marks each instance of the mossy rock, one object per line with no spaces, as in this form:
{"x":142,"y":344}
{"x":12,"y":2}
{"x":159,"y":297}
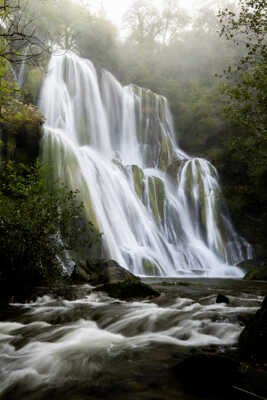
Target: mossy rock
{"x":110,"y":272}
{"x":80,"y":275}
{"x":166,"y":153}
{"x":150,"y":269}
{"x":248,"y":265}
{"x":138,"y":177}
{"x":156,"y":197}
{"x":128,"y":290}
{"x":102,"y":272}
{"x":111,"y":278}
{"x":257,"y":274}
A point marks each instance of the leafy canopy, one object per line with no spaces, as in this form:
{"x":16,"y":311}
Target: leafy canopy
{"x":247,"y":80}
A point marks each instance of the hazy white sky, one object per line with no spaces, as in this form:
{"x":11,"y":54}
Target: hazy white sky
{"x":116,"y":8}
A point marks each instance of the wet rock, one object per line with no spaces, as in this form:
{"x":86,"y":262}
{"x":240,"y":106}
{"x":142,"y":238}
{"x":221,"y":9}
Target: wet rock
{"x":79,"y":275}
{"x":207,"y":373}
{"x":253,"y":339}
{"x":108,"y":276}
{"x":257,"y":274}
{"x":222,"y":299}
{"x":128,"y":290}
{"x":109,"y":272}
{"x":138,"y":176}
{"x":156,"y":197}
{"x":174,"y":168}
{"x":247,"y":265}
{"x":151,"y":269}
{"x":254,"y":379}
{"x":104,"y":271}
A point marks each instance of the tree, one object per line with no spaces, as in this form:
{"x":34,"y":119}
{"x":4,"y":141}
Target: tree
{"x":247,"y":79}
{"x":18,"y":32}
{"x":143,"y":22}
{"x":148,"y":25}
{"x":38,"y":225}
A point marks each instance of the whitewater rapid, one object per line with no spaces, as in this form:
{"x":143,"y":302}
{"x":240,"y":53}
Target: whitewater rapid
{"x":53,"y":347}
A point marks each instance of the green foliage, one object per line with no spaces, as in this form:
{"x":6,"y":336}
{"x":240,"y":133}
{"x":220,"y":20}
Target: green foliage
{"x":38,"y":226}
{"x":9,"y":90}
{"x":247,"y":87}
{"x":242,"y":163}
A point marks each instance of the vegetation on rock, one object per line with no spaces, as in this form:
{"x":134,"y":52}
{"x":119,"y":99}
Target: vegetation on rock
{"x":38,"y":226}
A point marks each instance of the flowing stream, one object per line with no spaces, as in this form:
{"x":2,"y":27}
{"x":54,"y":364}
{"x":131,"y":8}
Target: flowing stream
{"x":161,"y":212}
{"x":94,"y":347}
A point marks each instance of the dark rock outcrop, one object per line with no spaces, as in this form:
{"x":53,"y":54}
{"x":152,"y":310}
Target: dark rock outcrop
{"x":108,"y":276}
{"x":253,"y":339}
{"x":247,"y":265}
{"x":128,"y":290}
{"x":257,"y":274}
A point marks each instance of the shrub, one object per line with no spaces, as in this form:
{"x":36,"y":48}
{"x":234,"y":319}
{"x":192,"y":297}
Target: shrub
{"x":38,"y":226}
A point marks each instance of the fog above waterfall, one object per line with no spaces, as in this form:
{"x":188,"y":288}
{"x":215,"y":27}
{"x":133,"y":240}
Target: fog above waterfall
{"x":116,"y":10}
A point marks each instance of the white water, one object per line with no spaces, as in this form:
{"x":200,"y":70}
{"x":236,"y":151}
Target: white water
{"x":95,"y":131}
{"x":64,"y":348}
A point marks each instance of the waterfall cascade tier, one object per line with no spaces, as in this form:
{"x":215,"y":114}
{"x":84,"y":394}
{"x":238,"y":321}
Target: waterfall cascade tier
{"x":161,"y":212}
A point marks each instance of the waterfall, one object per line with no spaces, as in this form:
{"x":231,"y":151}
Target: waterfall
{"x":161,"y":212}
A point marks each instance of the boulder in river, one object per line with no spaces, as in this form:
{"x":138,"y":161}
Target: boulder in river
{"x":108,"y":276}
{"x":221,"y":298}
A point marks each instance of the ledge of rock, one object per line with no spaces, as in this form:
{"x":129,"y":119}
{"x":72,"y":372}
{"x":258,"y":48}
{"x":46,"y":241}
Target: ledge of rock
{"x":108,"y":276}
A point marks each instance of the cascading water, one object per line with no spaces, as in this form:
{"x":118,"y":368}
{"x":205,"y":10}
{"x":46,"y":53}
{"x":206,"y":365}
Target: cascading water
{"x":161,"y":211}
